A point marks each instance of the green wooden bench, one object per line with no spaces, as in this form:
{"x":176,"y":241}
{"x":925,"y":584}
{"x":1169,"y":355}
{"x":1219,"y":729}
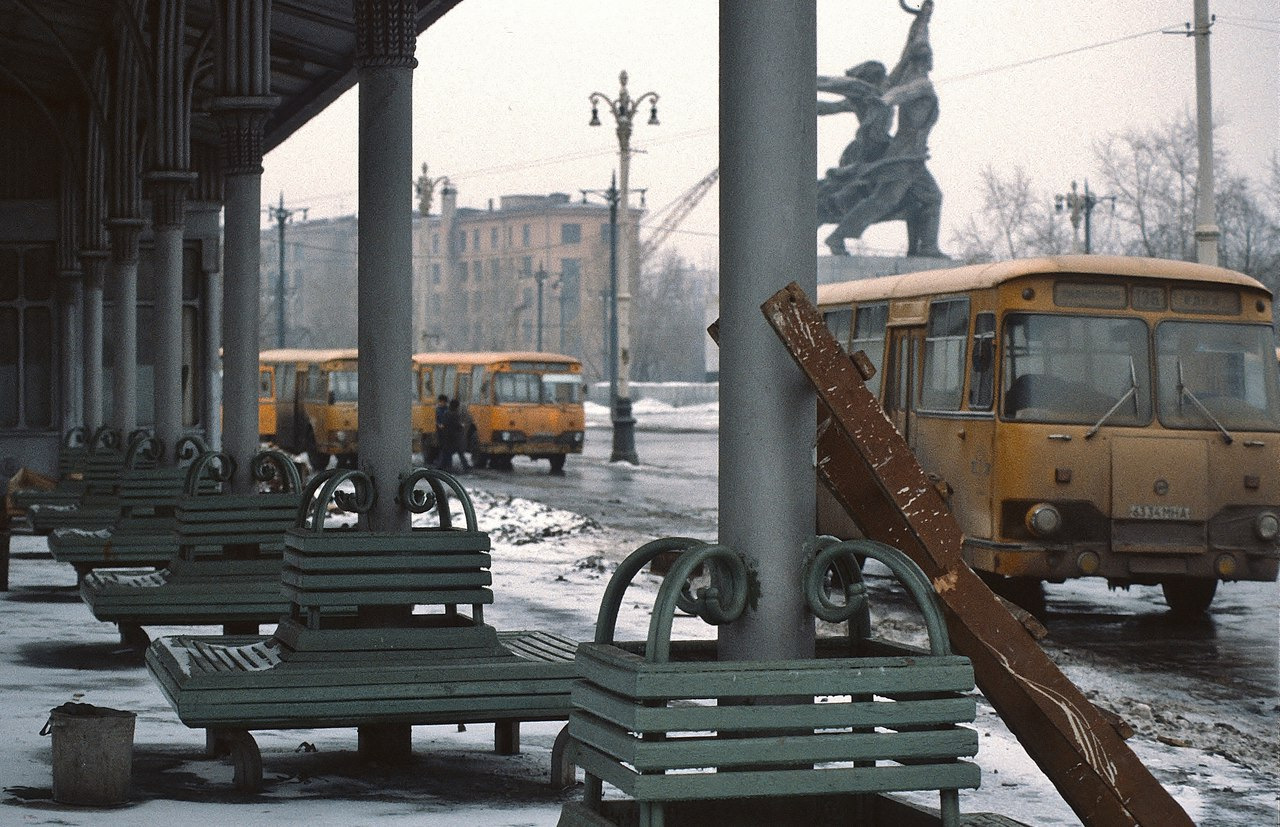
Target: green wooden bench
{"x":353,"y":652}
{"x":97,"y":503}
{"x":142,"y":531}
{"x":237,"y":585}
{"x":667,"y":723}
{"x":73,"y":451}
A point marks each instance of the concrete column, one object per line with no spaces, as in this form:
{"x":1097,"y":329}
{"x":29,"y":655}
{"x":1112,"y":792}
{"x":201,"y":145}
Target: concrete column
{"x":166,"y":334}
{"x":124,"y":323}
{"x":1206,"y":222}
{"x":242,"y":108}
{"x":94,"y":264}
{"x":72,"y":306}
{"x":240,"y":297}
{"x":210,"y":367}
{"x":768,"y":124}
{"x":385,"y":38}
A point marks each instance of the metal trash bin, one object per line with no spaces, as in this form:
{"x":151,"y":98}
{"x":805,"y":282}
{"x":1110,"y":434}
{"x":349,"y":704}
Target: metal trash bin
{"x":92,"y":754}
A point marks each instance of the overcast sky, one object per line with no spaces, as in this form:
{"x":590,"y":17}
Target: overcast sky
{"x":500,"y":97}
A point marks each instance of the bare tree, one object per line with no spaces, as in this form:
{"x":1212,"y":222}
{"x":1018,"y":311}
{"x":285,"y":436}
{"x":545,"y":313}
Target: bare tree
{"x":1015,"y":221}
{"x":668,"y":345}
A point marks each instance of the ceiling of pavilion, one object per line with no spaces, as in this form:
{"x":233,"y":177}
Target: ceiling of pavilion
{"x":47,"y":47}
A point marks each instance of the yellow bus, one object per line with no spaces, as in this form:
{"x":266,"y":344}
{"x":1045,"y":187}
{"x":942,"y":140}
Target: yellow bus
{"x":1086,"y":416}
{"x":281,"y":377}
{"x":518,"y":403}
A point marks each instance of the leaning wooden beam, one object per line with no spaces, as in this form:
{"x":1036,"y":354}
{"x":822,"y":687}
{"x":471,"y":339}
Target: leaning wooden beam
{"x":867,"y":465}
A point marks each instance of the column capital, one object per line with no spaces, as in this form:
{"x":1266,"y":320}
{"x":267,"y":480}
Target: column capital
{"x":124,"y":239}
{"x":386,"y":33}
{"x":242,"y":120}
{"x":168,"y":190}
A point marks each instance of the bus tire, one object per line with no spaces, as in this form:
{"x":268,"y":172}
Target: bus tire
{"x":500,"y":462}
{"x":1188,"y":596}
{"x":557,"y":464}
{"x":479,"y":459}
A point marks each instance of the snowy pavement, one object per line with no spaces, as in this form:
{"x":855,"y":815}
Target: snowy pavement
{"x":550,"y":568}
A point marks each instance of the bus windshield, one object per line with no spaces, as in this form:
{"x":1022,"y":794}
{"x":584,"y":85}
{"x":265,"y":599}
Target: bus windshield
{"x":343,"y":386}
{"x":536,"y":388}
{"x":1217,"y":376}
{"x":1076,"y":369}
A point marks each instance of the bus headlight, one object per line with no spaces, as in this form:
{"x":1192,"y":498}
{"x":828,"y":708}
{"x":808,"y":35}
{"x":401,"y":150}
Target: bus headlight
{"x":1266,"y":526}
{"x":1043,"y":520}
{"x":340,"y":437}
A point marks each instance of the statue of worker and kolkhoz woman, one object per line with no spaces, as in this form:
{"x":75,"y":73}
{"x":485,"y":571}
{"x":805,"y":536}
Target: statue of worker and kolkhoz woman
{"x":882,"y":176}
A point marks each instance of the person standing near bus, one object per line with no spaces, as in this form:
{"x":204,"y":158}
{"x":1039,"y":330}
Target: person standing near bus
{"x":452,"y":436}
{"x":442,"y":407}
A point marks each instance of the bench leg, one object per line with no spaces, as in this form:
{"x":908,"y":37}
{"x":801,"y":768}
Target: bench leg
{"x":246,"y":758}
{"x":950,"y":808}
{"x":563,"y":771}
{"x":386,"y":743}
{"x":134,"y":636}
{"x":506,"y":737}
{"x":651,"y":814}
{"x":593,"y":793}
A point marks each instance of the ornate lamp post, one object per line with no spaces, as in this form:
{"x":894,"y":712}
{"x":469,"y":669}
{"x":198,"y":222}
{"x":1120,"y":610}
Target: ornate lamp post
{"x":541,"y":277}
{"x":624,"y":109}
{"x":624,"y":433}
{"x":1081,"y":204}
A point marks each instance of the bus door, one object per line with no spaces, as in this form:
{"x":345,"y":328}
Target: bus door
{"x":902,"y":379}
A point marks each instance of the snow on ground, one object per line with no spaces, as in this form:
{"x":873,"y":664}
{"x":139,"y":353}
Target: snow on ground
{"x":550,"y":568}
{"x":653,"y":415}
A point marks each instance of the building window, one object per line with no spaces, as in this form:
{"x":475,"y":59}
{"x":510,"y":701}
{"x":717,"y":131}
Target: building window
{"x":605,"y":232}
{"x":465,"y":299}
{"x":26,"y":338}
{"x":494,"y":268}
{"x":462,"y":271}
{"x":570,"y":233}
{"x":524,"y":235}
{"x":435,"y":245}
{"x":528,"y":297}
{"x":435,"y":274}
{"x":462,"y":241}
{"x":570,"y":288}
{"x":475,"y":239}
{"x":509,"y":231}
{"x":493,"y":238}
{"x":526,"y":266}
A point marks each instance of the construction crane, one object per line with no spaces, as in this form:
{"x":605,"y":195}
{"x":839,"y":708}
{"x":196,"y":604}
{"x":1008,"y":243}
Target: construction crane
{"x":675,"y":213}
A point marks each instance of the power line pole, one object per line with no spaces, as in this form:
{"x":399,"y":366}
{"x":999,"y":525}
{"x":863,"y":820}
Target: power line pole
{"x":282,"y":217}
{"x":1206,"y":223}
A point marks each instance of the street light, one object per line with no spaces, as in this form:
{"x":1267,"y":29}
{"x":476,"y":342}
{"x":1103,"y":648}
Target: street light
{"x":282,"y":217}
{"x":540,"y":276}
{"x":624,"y":109}
{"x":624,"y":425}
{"x":1081,"y":204}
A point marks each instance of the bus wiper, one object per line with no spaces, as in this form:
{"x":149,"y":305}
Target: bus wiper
{"x":1184,"y":391}
{"x":1132,"y":393}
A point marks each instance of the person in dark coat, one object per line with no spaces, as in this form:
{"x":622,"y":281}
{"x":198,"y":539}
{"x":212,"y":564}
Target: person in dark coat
{"x":442,"y":407}
{"x":453,"y":438}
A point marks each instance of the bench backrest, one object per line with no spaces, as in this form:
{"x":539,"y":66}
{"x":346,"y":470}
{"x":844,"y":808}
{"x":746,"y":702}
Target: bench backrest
{"x":245,"y":525}
{"x":443,"y":566}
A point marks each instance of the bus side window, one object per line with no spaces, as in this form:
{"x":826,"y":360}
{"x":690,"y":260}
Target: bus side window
{"x":944,"y":345}
{"x":868,"y":336}
{"x":477,"y":384}
{"x":448,"y":381}
{"x":264,"y":384}
{"x":428,"y":392}
{"x":983,"y":371}
{"x":838,"y":322}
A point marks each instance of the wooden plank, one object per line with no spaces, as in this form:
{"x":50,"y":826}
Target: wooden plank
{"x":775,"y":678}
{"x":401,"y":581}
{"x":416,"y":542}
{"x":869,"y":468}
{"x":374,"y":563}
{"x":388,"y":598}
{"x":688,"y":786}
{"x":636,"y":717}
{"x":733,"y":751}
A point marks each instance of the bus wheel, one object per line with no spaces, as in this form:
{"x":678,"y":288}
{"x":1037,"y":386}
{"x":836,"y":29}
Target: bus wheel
{"x":500,"y":462}
{"x":479,"y":459}
{"x":557,"y":464}
{"x":1188,"y":596}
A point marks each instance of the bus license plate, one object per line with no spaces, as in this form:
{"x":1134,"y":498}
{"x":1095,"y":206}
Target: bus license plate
{"x":1159,"y":512}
